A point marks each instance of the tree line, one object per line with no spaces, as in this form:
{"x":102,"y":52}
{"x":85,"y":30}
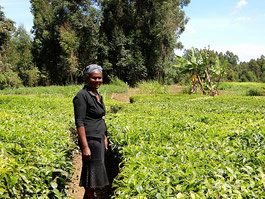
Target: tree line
{"x":235,"y":71}
{"x":132,"y":40}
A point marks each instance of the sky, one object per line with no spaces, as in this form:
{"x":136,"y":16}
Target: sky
{"x":234,"y":25}
{"x":19,"y":12}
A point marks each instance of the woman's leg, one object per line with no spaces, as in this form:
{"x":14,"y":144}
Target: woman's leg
{"x":89,"y":193}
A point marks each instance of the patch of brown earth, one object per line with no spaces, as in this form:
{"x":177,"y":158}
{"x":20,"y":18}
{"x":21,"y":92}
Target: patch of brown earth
{"x":75,"y":190}
{"x":125,"y":97}
{"x":174,"y":89}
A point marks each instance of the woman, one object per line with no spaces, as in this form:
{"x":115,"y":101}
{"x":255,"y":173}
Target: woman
{"x":89,"y":112}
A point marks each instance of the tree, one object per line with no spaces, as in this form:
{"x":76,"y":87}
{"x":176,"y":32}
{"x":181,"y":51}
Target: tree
{"x":204,"y":68}
{"x":8,"y":78}
{"x":66,"y":38}
{"x":46,"y":48}
{"x":20,"y":57}
{"x":6,"y":29}
{"x":139,"y":37}
{"x":232,"y":70}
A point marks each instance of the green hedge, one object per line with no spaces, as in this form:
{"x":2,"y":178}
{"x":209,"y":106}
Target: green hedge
{"x":180,"y":146}
{"x":35,"y":146}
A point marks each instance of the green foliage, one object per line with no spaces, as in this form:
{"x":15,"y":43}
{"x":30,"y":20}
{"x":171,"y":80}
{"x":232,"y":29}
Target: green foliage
{"x":187,"y":88}
{"x":110,"y":88}
{"x":255,"y":92}
{"x":172,"y":146}
{"x":6,"y":29}
{"x":8,"y":75}
{"x":205,"y":69}
{"x":243,"y":88}
{"x":32,"y":76}
{"x":61,"y":91}
{"x":65,"y":38}
{"x":20,"y":57}
{"x":245,"y":71}
{"x":8,"y":78}
{"x":36,"y":141}
{"x":36,"y":147}
{"x":68,"y":35}
{"x":16,"y":61}
{"x":181,"y":146}
{"x":117,"y":82}
{"x":152,"y":87}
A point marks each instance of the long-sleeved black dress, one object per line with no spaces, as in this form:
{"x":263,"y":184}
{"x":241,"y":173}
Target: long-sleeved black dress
{"x":89,"y":112}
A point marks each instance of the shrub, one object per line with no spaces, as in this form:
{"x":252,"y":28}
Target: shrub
{"x":32,"y":76}
{"x":254,"y":92}
{"x":10,"y":79}
{"x":117,"y":82}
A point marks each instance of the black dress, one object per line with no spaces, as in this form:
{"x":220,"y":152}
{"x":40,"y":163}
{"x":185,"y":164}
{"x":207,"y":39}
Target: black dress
{"x":89,"y":112}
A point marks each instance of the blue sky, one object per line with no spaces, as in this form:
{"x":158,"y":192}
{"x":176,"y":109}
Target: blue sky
{"x":18,"y":11}
{"x":234,"y":25}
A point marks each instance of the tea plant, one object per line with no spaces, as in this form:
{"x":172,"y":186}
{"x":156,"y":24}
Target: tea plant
{"x":36,"y":146}
{"x":190,"y":147}
{"x":173,"y":146}
{"x":36,"y":142}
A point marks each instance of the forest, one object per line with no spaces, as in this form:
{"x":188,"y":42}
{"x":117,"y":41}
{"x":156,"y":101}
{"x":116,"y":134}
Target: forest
{"x":131,"y":40}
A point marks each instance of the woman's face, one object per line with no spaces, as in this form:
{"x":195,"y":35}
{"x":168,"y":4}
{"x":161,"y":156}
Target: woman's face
{"x":95,"y":80}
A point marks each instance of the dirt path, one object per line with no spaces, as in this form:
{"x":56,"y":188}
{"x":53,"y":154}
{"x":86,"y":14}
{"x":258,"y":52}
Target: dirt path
{"x":125,"y":97}
{"x":77,"y":192}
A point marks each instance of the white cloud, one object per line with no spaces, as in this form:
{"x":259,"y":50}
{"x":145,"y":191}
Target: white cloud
{"x":245,"y":52}
{"x":242,"y":19}
{"x":241,"y":3}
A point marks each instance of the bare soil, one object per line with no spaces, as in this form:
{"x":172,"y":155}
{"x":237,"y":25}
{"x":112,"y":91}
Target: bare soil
{"x":76,"y":191}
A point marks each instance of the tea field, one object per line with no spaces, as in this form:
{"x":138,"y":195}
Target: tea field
{"x":171,"y":146}
{"x":35,"y":157}
{"x":180,"y":146}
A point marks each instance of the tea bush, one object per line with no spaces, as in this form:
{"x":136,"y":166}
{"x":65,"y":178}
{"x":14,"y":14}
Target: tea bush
{"x":172,"y":146}
{"x":36,"y":141}
{"x":35,"y":146}
{"x":180,"y":146}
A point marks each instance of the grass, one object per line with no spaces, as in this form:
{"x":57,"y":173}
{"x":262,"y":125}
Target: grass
{"x":151,"y":88}
{"x":243,"y":88}
{"x":62,"y":91}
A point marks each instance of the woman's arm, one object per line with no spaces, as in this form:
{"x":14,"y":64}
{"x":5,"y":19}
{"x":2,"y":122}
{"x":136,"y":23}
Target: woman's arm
{"x":82,"y":136}
{"x":80,"y":113}
{"x":106,"y":142}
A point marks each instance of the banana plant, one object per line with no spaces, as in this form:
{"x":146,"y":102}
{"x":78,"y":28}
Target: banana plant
{"x":205,"y":70}
{"x":218,"y":71}
{"x":193,"y":65}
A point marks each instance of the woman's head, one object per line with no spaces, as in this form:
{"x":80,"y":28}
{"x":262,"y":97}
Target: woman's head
{"x":94,"y":76}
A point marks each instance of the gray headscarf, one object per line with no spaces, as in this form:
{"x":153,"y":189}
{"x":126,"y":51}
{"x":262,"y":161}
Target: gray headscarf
{"x":93,"y":68}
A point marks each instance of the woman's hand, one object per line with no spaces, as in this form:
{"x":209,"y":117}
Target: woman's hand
{"x":106,"y":142}
{"x":86,"y":152}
